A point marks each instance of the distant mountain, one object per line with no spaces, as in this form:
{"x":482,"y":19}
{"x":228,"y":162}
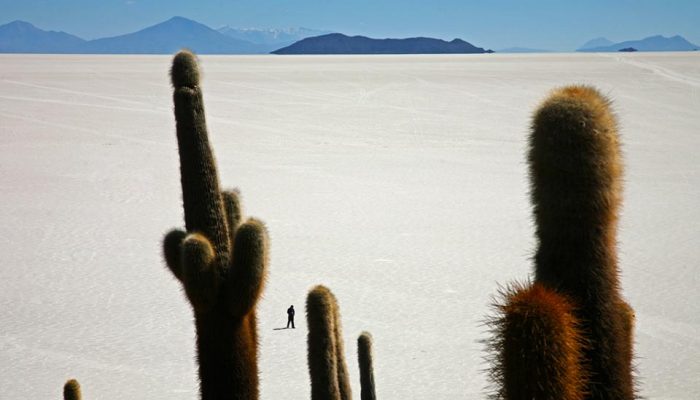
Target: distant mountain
{"x":522,"y":50}
{"x":597,"y":42}
{"x":280,"y":37}
{"x":23,"y":37}
{"x":169,"y":37}
{"x":652,"y":43}
{"x":337,"y":43}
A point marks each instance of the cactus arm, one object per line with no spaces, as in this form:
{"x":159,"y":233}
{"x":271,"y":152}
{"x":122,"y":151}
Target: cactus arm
{"x":233,"y":209}
{"x":172,"y":250}
{"x":200,"y":277}
{"x":537,"y":348}
{"x":248,"y":272}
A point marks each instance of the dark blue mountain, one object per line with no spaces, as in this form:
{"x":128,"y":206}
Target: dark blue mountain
{"x":23,"y":37}
{"x":652,"y":43}
{"x":337,"y":43}
{"x":170,"y":36}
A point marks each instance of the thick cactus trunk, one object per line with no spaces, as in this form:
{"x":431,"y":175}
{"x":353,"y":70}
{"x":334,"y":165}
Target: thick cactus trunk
{"x":225,"y":345}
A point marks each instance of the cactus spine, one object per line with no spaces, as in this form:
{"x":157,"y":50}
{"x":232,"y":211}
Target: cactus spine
{"x":71,"y":390}
{"x":327,"y":367}
{"x":576,"y":190}
{"x":221,"y":262}
{"x":364,"y":358}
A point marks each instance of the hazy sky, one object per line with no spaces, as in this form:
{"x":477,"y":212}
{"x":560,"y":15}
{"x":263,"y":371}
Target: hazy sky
{"x":495,"y":24}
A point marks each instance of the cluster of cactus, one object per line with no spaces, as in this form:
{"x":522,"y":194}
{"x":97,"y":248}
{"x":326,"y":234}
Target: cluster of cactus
{"x":326,"y":357}
{"x":568,"y":335}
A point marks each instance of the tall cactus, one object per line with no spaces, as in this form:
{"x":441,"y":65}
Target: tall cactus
{"x":364,"y":358}
{"x":221,"y":262}
{"x":71,"y":390}
{"x":576,"y":190}
{"x":576,"y":177}
{"x":326,"y":357}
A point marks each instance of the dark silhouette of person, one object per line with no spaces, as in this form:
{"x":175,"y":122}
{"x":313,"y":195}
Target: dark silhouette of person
{"x":290,"y":316}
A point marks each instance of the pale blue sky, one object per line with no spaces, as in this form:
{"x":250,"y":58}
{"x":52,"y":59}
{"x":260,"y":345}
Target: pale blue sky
{"x":544,"y":24}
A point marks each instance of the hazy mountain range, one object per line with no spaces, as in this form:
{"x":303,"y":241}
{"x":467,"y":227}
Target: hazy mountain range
{"x":164,"y":38}
{"x":169,"y":36}
{"x":23,"y":37}
{"x":337,"y":43}
{"x":651,"y":43}
{"x":597,"y":42}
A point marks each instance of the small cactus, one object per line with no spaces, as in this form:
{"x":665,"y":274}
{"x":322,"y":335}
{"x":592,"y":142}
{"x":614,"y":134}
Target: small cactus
{"x":221,"y":262}
{"x":327,"y":367}
{"x":364,"y":358}
{"x":71,"y":390}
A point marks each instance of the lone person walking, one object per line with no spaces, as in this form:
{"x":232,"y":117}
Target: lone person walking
{"x":290,"y":316}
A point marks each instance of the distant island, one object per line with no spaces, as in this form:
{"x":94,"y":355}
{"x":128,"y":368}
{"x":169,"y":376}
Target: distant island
{"x":337,"y":43}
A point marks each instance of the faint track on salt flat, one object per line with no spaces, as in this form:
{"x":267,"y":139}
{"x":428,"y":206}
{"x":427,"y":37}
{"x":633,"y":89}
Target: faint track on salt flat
{"x":63,"y":90}
{"x":81,"y":129}
{"x":658,"y":70}
{"x":75,"y":103}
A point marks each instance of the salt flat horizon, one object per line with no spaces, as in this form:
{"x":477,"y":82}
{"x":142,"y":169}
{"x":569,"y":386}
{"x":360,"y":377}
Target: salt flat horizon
{"x":400,"y":182}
